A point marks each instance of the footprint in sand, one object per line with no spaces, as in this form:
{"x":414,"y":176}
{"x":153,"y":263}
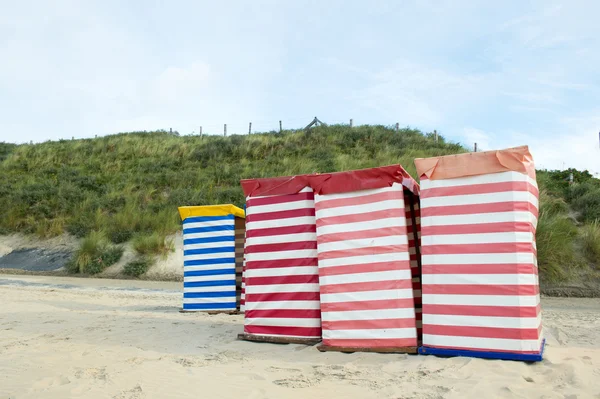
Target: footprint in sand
{"x":134,"y":393}
{"x":93,"y":373}
{"x":298,"y":382}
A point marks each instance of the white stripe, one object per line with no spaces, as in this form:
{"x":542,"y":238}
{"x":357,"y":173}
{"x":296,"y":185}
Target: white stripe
{"x":503,"y":177}
{"x":217,"y":255}
{"x":223,"y":288}
{"x":282,"y":238}
{"x":486,"y":279}
{"x":483,"y":343}
{"x":478,"y":218}
{"x":371,"y":334}
{"x":190,"y":279}
{"x":357,"y":194}
{"x":482,"y":238}
{"x":488,"y":198}
{"x":481,"y":300}
{"x":281,"y":322}
{"x":361,"y":226}
{"x":212,"y":223}
{"x":282,"y":271}
{"x":367,"y":296}
{"x":279,"y":288}
{"x":359,"y":209}
{"x":362,"y":243}
{"x":209,"y":267}
{"x":365,"y":277}
{"x":284,"y":206}
{"x":224,"y":233}
{"x":488,"y":259}
{"x":278,"y":255}
{"x":221,"y":244}
{"x":269,"y":305}
{"x":226,"y":299}
{"x":365,"y":259}
{"x":282,"y":222}
{"x":482,"y":321}
{"x":397,"y":313}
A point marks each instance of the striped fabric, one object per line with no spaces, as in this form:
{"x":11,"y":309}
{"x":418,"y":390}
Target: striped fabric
{"x":240,"y":235}
{"x":364,"y":269}
{"x":415,"y":254}
{"x":281,"y":279}
{"x":209,"y":263}
{"x":480,"y":278}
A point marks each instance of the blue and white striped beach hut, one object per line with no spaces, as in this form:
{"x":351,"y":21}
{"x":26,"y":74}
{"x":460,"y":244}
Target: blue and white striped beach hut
{"x":209,"y":257}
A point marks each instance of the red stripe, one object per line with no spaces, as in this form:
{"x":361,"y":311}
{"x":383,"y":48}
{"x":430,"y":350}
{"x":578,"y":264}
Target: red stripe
{"x":481,"y":349}
{"x":375,"y":324}
{"x":372,"y":343}
{"x":280,"y":199}
{"x":508,"y":206}
{"x":357,"y":235}
{"x":366,"y":286}
{"x":484,"y":188}
{"x":364,"y":268}
{"x":268,"y":264}
{"x":293,"y":213}
{"x":367,"y":305}
{"x":500,"y":268}
{"x":284,"y":313}
{"x":409,"y":228}
{"x":283,"y":331}
{"x":283,"y":296}
{"x":346,"y":253}
{"x":360,"y":217}
{"x":501,"y":227}
{"x":281,"y":246}
{"x":480,"y":289}
{"x":277,"y":231}
{"x":277,"y":280}
{"x":481,"y":332}
{"x":487,"y":248}
{"x":489,"y":311}
{"x":361,"y":200}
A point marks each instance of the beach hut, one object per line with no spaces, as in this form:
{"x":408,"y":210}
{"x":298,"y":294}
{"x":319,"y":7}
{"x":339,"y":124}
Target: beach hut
{"x":480,"y":287}
{"x":366,"y":283}
{"x":281,"y":277}
{"x":212,"y":251}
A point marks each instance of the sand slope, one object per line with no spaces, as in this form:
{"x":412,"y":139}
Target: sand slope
{"x":92,"y":338}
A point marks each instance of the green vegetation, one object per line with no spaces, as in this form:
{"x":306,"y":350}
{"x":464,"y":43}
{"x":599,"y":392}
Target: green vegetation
{"x":153,"y":244}
{"x":130,"y":185}
{"x":94,"y":255}
{"x":137,"y":267}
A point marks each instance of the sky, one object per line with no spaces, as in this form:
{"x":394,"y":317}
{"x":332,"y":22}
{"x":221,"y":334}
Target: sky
{"x":500,"y":74}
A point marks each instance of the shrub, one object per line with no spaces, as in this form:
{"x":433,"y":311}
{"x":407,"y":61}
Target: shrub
{"x":137,"y":267}
{"x":94,"y":255}
{"x":588,"y":206}
{"x":153,"y":244}
{"x":590,"y":239}
{"x":556,"y":235}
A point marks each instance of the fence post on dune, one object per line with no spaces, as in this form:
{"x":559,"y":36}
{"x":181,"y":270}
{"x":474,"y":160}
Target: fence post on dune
{"x":397,"y":127}
{"x":475,"y":147}
{"x":280,"y":127}
{"x":225,"y":129}
{"x":250,"y":128}
{"x":350,"y":122}
{"x":200,"y":131}
{"x":435,"y":135}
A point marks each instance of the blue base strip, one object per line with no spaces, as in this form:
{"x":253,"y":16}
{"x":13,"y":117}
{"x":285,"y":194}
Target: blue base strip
{"x":210,"y":306}
{"x":535,"y":357}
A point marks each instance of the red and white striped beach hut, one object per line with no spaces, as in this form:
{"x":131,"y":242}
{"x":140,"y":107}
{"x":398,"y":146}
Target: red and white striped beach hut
{"x":281,"y":279}
{"x":479,"y":268}
{"x":366,"y":283}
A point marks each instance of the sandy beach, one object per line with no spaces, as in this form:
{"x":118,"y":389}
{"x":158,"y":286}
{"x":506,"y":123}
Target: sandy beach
{"x":94,"y":338}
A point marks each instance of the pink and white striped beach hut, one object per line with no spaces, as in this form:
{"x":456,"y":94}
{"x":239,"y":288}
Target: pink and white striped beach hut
{"x":480,"y":287}
{"x":366,"y":283}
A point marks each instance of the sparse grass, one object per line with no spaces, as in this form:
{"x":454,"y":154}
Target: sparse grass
{"x":153,"y":244}
{"x":590,"y":238}
{"x":556,"y":237}
{"x":94,"y":255}
{"x":137,"y":267}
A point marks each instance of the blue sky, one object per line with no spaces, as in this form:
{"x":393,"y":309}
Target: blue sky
{"x":497,"y":73}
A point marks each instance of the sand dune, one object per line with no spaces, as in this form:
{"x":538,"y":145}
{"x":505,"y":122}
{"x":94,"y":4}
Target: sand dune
{"x":93,"y":338}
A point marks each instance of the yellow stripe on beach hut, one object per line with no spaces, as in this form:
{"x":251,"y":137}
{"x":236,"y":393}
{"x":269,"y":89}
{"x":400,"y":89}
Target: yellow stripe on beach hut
{"x":211,"y":210}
